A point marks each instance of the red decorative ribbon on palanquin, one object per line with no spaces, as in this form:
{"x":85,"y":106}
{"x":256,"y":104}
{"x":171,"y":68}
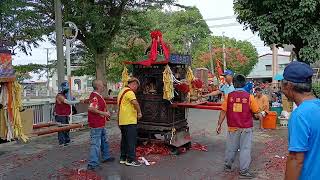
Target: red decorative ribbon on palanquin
{"x":156,"y":38}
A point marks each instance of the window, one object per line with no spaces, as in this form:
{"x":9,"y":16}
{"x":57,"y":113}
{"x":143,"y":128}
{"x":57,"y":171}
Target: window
{"x":268,"y":68}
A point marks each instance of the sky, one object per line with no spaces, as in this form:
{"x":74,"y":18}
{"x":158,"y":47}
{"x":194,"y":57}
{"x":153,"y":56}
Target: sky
{"x":208,"y":8}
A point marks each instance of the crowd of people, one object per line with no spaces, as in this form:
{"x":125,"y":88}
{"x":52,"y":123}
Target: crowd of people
{"x":239,"y":108}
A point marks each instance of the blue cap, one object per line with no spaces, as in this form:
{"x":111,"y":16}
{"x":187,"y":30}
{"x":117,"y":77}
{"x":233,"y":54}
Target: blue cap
{"x":298,"y":72}
{"x":228,"y":73}
{"x":64,"y":86}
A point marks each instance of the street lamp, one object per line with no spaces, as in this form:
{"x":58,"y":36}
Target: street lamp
{"x":70,"y":33}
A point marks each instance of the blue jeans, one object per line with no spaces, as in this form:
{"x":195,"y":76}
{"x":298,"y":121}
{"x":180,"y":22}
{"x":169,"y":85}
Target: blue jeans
{"x":63,"y":136}
{"x":98,"y":143}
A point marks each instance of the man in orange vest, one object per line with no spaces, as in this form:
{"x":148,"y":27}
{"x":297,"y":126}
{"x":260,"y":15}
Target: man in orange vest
{"x":239,"y":107}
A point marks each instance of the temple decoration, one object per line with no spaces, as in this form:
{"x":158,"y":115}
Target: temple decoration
{"x":10,"y":101}
{"x":125,"y":76}
{"x":168,"y":89}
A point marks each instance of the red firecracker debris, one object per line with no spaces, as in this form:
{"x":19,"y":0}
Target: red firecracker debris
{"x":199,"y":147}
{"x":152,"y":148}
{"x":75,"y":174}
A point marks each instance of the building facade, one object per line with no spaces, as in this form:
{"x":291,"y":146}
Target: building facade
{"x":262,"y":71}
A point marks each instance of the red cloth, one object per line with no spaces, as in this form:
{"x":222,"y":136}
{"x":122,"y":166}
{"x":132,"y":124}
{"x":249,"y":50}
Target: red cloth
{"x":62,"y":109}
{"x":156,"y":38}
{"x":96,"y":120}
{"x":239,"y":114}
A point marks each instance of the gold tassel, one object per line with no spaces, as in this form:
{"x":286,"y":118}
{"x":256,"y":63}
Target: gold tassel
{"x":168,"y":90}
{"x":125,"y":77}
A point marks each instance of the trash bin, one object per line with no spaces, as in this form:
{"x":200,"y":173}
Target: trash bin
{"x":278,"y":110}
{"x":270,"y":121}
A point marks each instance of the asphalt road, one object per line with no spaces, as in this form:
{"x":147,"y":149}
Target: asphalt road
{"x":43,"y":159}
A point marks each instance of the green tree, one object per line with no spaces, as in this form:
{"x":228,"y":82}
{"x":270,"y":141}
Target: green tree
{"x":293,"y":22}
{"x":241,"y":56}
{"x":23,"y":71}
{"x":179,"y":28}
{"x":98,"y":21}
{"x":21,"y":27}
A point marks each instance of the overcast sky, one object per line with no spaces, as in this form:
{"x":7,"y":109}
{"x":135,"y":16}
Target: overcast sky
{"x":208,"y":8}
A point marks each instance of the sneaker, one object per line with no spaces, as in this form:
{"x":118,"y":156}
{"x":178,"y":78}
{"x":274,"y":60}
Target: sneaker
{"x":246,"y":175}
{"x":133,"y":163}
{"x":227,"y":168}
{"x":123,"y":161}
{"x":110,"y":159}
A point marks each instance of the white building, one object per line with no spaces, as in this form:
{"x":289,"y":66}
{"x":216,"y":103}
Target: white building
{"x":263,"y":69}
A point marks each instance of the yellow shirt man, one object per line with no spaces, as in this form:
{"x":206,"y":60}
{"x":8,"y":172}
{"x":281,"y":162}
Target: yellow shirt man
{"x":263,"y":102}
{"x":127,"y":112}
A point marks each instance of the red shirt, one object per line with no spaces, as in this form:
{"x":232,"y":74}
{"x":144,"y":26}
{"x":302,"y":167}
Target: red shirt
{"x":96,"y":120}
{"x":62,"y":109}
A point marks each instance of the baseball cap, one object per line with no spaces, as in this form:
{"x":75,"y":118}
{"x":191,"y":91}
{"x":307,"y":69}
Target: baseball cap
{"x":298,"y":72}
{"x":228,"y":73}
{"x":64,"y":86}
{"x":133,"y":79}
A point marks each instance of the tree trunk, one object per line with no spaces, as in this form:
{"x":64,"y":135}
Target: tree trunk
{"x":100,"y":60}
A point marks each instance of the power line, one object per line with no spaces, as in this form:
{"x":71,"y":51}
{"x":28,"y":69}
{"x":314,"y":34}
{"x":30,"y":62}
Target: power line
{"x":224,"y":25}
{"x":221,"y":18}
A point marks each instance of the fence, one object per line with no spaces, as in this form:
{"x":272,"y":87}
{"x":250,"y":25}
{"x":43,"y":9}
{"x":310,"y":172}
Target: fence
{"x":42,"y":111}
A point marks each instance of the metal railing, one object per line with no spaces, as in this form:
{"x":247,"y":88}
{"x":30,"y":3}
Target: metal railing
{"x":42,"y":111}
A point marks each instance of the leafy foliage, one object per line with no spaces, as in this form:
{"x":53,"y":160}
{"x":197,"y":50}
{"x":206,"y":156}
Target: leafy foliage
{"x":291,"y":22}
{"x":179,"y":28}
{"x":21,"y":26}
{"x":316,"y":89}
{"x":241,"y":56}
{"x":23,"y":71}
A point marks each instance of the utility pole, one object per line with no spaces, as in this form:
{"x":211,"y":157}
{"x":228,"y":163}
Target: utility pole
{"x":47,"y":49}
{"x":59,"y":42}
{"x":224,"y":53}
{"x":211,"y":58}
{"x":274,"y":62}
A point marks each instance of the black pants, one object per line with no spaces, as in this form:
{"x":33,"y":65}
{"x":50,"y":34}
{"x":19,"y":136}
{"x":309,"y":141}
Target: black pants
{"x":63,"y":136}
{"x":128,"y":142}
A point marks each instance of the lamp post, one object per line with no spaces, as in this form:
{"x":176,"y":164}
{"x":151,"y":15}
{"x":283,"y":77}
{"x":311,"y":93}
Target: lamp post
{"x":70,"y":37}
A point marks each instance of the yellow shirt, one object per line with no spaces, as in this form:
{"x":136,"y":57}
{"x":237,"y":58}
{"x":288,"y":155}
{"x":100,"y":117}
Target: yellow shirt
{"x":263,"y":103}
{"x":127,"y":112}
{"x":253,"y":106}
